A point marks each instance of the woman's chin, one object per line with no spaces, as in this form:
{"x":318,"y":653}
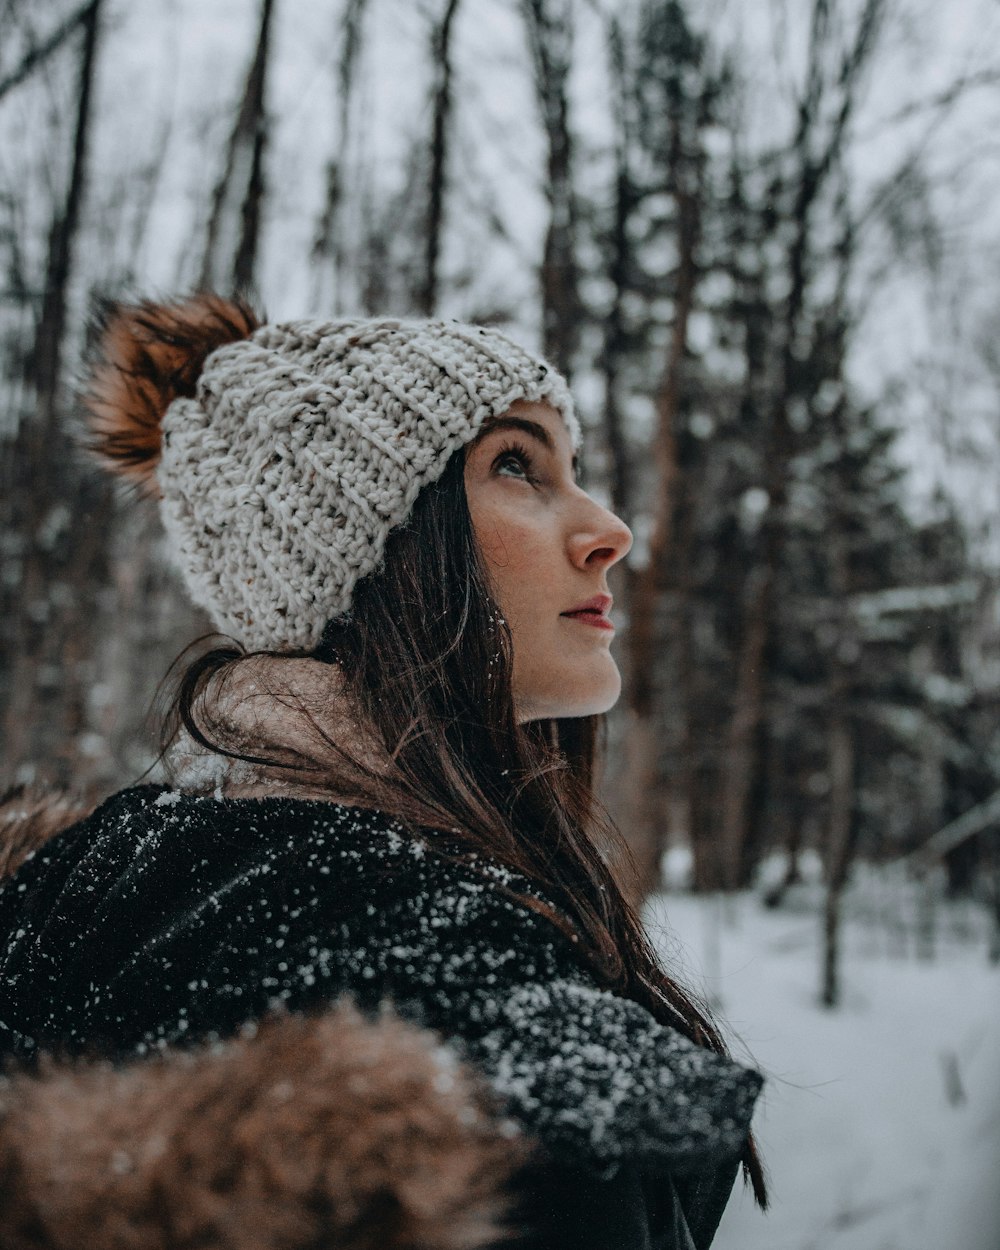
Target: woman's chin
{"x":590,"y":698}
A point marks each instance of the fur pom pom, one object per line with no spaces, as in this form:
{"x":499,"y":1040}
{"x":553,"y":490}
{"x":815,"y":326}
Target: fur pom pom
{"x":145,"y":356}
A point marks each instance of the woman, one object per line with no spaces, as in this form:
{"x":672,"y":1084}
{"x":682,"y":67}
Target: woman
{"x":383,"y":785}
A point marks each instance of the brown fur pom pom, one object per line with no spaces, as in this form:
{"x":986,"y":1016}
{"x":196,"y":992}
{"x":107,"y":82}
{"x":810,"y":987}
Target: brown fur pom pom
{"x":146,"y":355}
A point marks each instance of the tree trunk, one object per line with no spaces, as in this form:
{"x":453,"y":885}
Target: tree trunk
{"x":234,"y":224}
{"x":789,"y":824}
{"x":742,"y":760}
{"x":62,"y":566}
{"x":645,"y":825}
{"x":549,"y":26}
{"x":619,"y":265}
{"x":611,"y":357}
{"x":994,"y":880}
{"x":839,"y":846}
{"x":815,"y":150}
{"x":427,"y":296}
{"x":331,"y":245}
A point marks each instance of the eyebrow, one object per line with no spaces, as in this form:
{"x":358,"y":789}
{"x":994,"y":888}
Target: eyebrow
{"x":534,"y":429}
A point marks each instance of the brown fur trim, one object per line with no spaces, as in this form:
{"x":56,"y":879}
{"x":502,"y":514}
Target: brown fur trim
{"x":327,"y":1131}
{"x":29,"y":816}
{"x":146,"y":355}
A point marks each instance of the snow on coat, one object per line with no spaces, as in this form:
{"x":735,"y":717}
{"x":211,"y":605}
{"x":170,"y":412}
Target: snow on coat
{"x":165,"y":920}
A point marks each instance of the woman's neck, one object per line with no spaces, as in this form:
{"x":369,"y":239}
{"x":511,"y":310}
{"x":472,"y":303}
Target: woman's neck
{"x":296,"y":710}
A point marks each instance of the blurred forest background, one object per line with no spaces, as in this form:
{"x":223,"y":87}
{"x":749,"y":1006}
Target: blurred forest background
{"x":760,"y":238}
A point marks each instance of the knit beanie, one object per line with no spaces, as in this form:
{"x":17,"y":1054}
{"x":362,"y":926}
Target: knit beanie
{"x":284,"y":454}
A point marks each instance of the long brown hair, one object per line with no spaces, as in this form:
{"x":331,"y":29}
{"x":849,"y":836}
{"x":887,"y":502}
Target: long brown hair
{"x":426,"y":659}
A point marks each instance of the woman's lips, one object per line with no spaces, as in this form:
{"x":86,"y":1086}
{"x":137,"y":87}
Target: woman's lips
{"x":590,"y":617}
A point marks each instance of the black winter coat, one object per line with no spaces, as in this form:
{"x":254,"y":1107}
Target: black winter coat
{"x":166,"y":919}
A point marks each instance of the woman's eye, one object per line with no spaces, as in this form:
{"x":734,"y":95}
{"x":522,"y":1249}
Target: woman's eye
{"x":514,"y":455}
{"x":511,"y":458}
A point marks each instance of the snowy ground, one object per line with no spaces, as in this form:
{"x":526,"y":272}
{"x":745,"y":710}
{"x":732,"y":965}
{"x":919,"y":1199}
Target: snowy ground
{"x":880,"y":1121}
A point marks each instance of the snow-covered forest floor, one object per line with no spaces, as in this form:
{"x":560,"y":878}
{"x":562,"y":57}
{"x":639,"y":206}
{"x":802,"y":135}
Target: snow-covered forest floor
{"x":880,"y":1120}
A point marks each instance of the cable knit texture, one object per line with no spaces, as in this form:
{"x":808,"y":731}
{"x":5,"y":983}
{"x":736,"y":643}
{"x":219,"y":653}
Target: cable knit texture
{"x":164,"y":919}
{"x":307,"y":443}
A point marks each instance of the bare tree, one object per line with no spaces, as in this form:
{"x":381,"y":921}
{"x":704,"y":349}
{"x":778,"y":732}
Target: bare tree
{"x":619,"y":264}
{"x":441,"y":59}
{"x":646,"y":824}
{"x":833,"y":83}
{"x":233,"y":233}
{"x":39,"y":53}
{"x":330,"y":243}
{"x":841,"y":830}
{"x":62,"y":565}
{"x":662,"y":99}
{"x":549,"y":25}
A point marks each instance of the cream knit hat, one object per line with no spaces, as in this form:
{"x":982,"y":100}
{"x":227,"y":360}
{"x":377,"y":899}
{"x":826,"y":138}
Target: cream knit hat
{"x":289,"y":452}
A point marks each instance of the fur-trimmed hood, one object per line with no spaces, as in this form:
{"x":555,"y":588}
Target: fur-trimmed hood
{"x":308,"y":1130}
{"x":311,"y":1131}
{"x":164,"y":921}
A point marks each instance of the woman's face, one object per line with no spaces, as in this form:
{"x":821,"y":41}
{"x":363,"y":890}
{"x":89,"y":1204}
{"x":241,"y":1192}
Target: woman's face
{"x":548,"y":546}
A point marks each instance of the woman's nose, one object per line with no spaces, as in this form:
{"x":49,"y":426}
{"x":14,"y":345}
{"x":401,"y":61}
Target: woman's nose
{"x":604,"y":536}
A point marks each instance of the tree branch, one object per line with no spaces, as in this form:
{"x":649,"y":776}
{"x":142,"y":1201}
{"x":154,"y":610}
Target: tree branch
{"x":37,"y":55}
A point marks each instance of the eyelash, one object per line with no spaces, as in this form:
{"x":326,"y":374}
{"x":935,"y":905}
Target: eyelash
{"x":518,"y":451}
